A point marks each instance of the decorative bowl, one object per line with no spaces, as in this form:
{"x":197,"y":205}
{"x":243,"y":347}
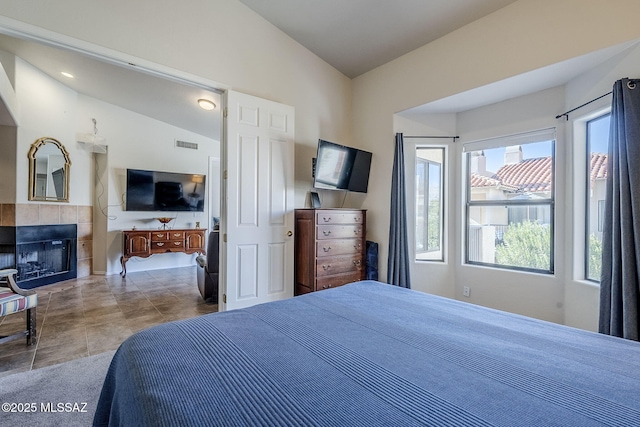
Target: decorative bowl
{"x":164,"y":221}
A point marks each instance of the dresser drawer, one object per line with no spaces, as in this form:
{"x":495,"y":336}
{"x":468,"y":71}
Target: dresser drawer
{"x":176,"y":235}
{"x":329,"y":266}
{"x":167,"y":246}
{"x":159,"y":236}
{"x":338,"y":247}
{"x":335,"y":281}
{"x":338,"y":232}
{"x":163,"y":236}
{"x":327,"y":218}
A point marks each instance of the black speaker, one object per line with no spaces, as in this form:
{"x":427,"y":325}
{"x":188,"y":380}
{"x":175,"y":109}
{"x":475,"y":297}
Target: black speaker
{"x":372,"y":260}
{"x":315,"y":200}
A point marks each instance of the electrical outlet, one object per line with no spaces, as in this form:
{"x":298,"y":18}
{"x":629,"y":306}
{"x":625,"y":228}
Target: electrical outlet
{"x":466,"y":291}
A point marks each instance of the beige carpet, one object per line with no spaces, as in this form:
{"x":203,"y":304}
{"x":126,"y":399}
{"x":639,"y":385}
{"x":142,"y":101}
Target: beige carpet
{"x":59,"y":395}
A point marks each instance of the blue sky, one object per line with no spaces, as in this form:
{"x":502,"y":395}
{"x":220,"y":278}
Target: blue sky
{"x":495,"y":156}
{"x":599,"y":129}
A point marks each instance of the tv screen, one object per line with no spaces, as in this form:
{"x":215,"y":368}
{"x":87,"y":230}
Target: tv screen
{"x":164,"y":191}
{"x":341,"y":168}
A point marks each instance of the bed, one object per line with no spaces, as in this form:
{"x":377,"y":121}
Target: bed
{"x":370,"y":354}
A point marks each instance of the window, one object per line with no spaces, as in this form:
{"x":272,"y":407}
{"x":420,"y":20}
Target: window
{"x":510,"y":202}
{"x":429,"y":203}
{"x":597,"y":153}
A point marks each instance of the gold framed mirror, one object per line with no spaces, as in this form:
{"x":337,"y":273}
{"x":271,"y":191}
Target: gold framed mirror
{"x":49,"y":167}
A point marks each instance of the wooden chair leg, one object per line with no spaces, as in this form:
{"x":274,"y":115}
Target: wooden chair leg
{"x":31,"y":326}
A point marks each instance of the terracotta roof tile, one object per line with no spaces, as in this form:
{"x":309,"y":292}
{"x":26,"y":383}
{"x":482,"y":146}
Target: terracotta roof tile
{"x":530,"y":175}
{"x":533,"y":175}
{"x":598,"y":166}
{"x":485,"y":181}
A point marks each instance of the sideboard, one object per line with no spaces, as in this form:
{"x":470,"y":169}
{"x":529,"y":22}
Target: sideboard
{"x":144,"y":243}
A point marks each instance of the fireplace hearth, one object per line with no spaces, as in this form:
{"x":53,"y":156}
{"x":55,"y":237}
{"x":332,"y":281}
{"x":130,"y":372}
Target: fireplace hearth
{"x":42,"y":254}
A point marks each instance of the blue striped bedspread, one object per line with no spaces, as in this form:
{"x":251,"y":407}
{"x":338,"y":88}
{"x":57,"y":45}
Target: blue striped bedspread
{"x":370,"y":354}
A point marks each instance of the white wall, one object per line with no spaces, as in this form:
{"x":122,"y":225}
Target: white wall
{"x":523,"y":37}
{"x":218,"y":40}
{"x":48,"y":108}
{"x":8,"y":131}
{"x":537,"y":295}
{"x":564,"y":297}
{"x":138,"y":142}
{"x":8,"y":164}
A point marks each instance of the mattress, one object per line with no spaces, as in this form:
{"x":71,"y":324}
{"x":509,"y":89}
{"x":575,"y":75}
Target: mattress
{"x":370,"y":354}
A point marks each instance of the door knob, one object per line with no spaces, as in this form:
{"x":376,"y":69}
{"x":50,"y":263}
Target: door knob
{"x":289,"y":233}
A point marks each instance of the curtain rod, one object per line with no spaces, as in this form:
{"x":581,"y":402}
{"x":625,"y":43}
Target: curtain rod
{"x":580,"y":106}
{"x":434,"y":137}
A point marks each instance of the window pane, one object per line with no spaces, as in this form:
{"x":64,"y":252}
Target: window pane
{"x":597,"y":149}
{"x":492,"y":239}
{"x":434,"y":205}
{"x":519,"y":172}
{"x":429,"y":203}
{"x":510,"y":206}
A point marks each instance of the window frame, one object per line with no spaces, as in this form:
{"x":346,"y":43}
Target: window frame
{"x":443,"y":201}
{"x":506,"y":203}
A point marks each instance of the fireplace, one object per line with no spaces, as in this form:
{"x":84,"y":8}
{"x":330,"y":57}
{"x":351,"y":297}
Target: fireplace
{"x":42,"y":254}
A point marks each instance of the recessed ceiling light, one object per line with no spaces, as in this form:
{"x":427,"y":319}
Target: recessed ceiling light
{"x":69,"y":75}
{"x":205,"y":104}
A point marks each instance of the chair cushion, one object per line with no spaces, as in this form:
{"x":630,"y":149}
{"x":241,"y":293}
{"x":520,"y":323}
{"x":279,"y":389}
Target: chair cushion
{"x":13,"y":303}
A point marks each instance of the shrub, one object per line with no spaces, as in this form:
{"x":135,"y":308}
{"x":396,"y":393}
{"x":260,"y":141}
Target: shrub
{"x":527,"y":245}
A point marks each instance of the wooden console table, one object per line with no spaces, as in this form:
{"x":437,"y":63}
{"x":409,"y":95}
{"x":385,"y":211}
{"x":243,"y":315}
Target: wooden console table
{"x":144,"y":243}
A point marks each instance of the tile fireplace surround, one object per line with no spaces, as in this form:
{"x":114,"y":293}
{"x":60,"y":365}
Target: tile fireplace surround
{"x":20,"y":214}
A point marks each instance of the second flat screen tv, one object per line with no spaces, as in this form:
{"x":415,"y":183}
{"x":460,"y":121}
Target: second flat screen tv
{"x":164,"y":191}
{"x":341,"y":168}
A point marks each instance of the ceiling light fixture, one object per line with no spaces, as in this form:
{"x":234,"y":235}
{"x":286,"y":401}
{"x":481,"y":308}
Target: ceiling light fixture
{"x":205,"y":104}
{"x":69,"y":75}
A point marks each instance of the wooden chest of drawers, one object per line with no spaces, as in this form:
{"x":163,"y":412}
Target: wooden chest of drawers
{"x":330,"y":248}
{"x":144,"y":243}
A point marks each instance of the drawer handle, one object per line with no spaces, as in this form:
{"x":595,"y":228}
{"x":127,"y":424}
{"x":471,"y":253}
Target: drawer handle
{"x":356,"y":262}
{"x":326,"y":286}
{"x":326,"y":232}
{"x":325,"y":267}
{"x":326,"y":219}
{"x":326,"y":248}
{"x":356,"y":231}
{"x":358,"y":246}
{"x":356,"y":219}
{"x":176,"y":234}
{"x":160,"y":235}
{"x":177,"y":243}
{"x":160,"y":244}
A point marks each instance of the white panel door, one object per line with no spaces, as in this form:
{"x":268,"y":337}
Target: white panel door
{"x":257,"y":257}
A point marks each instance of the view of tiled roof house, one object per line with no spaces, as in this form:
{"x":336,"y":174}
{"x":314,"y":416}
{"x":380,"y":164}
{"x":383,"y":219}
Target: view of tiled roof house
{"x":521,"y":179}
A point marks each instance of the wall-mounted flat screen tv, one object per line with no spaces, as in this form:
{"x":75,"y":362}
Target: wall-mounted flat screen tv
{"x":341,"y":168}
{"x":164,"y":191}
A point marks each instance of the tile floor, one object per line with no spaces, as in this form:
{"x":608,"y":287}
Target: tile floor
{"x":83,"y":317}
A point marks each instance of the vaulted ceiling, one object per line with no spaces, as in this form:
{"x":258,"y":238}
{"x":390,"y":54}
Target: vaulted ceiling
{"x":354,"y":36}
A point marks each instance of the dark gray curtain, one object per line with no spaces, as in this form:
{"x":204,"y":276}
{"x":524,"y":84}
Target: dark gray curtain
{"x":398,"y":263}
{"x":620,"y":280}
